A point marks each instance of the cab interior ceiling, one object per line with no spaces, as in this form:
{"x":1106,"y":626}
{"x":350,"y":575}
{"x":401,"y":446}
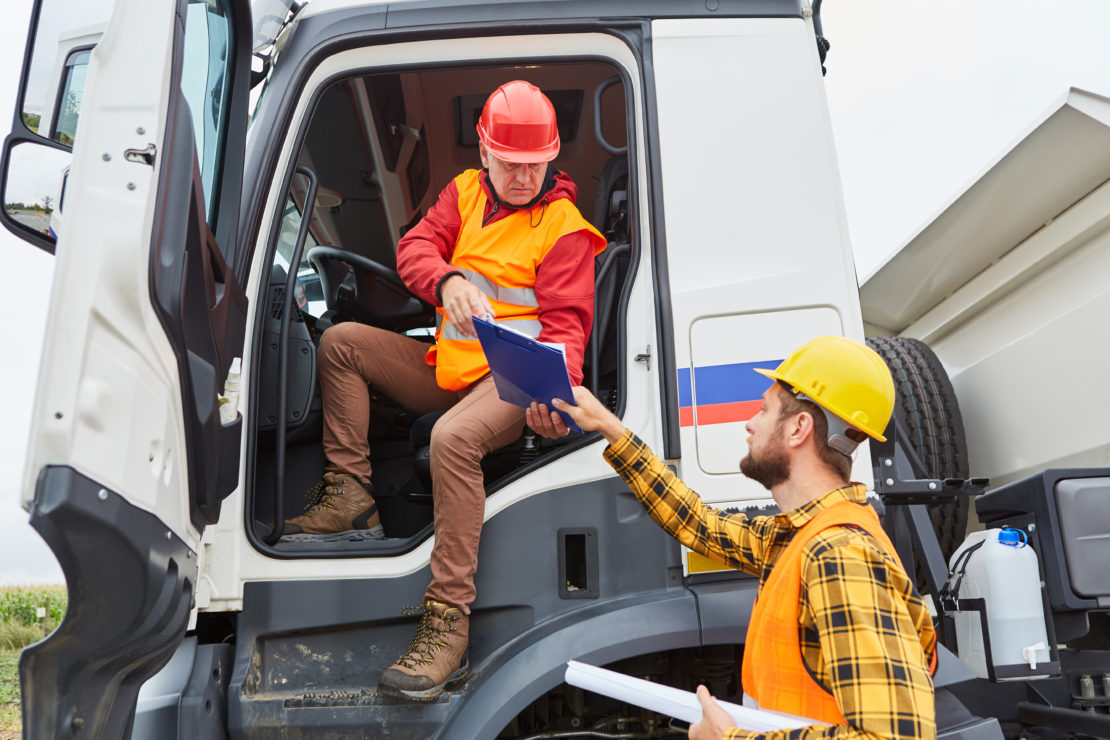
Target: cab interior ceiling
{"x":383,"y":145}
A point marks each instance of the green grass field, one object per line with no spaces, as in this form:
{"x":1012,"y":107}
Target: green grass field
{"x":9,"y":694}
{"x":20,"y":626}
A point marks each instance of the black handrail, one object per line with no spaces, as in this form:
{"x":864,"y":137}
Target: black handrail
{"x":609,"y":148}
{"x":283,"y":357}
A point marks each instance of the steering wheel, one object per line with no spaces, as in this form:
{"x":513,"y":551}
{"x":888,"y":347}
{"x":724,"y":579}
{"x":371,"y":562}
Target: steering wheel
{"x":360,"y":289}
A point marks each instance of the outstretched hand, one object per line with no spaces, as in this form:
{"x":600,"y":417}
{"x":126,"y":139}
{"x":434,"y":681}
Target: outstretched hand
{"x":714,"y":722}
{"x":462,"y":300}
{"x":587,"y":412}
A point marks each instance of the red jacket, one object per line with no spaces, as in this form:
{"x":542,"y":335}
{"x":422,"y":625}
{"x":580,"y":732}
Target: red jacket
{"x":564,"y":281}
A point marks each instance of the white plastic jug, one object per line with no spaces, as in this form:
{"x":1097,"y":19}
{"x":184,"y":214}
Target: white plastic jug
{"x":997,"y":565}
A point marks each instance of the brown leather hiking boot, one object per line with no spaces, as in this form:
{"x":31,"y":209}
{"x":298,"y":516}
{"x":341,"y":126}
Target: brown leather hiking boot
{"x":336,"y":505}
{"x":436,"y":656}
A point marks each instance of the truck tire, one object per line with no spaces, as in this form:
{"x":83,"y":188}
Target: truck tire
{"x":926,"y":405}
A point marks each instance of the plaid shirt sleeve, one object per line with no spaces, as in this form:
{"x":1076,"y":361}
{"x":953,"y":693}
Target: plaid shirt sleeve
{"x":731,"y":539}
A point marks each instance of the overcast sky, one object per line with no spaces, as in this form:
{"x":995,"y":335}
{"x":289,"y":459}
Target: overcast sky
{"x":923,"y":96}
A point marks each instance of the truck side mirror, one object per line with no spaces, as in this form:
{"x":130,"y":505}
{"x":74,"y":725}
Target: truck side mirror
{"x":36,"y":154}
{"x":34,"y":191}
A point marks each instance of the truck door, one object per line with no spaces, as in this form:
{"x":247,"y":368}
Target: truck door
{"x":127,"y":460}
{"x":756,"y":244}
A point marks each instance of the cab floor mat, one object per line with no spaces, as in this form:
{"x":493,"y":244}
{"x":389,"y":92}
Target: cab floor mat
{"x":351,"y":535}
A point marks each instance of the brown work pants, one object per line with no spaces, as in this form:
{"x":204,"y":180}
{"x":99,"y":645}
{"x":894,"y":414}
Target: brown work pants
{"x":478,"y":422}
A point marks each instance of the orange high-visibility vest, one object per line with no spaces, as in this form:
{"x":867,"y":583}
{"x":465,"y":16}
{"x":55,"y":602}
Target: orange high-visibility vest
{"x":773,"y":672}
{"x":502,"y":259}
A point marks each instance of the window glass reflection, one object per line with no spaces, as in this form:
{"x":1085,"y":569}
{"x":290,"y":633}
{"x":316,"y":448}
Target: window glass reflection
{"x":67,"y":30}
{"x":204,"y":82}
{"x":73,"y":92}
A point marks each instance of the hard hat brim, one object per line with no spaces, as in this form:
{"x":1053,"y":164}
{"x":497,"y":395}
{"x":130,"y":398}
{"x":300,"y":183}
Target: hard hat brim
{"x":769,"y":373}
{"x":522,"y":156}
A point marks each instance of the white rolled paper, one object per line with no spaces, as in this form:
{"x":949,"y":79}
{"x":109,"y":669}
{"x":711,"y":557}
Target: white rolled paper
{"x":672,"y":702}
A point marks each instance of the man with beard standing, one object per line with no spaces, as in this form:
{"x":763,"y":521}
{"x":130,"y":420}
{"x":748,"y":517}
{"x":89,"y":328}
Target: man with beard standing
{"x":838,"y":632}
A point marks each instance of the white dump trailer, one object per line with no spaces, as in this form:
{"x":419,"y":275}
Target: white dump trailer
{"x":1010,"y":287}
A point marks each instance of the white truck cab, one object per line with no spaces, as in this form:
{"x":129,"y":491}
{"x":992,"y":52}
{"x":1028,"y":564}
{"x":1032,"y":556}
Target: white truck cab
{"x":239,"y":182}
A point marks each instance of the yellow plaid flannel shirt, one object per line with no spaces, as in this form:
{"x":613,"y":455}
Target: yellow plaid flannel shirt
{"x":862,"y":625}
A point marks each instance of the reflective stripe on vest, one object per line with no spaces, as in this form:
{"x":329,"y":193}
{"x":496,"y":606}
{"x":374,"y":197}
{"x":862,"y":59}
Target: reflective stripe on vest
{"x":519,"y":296}
{"x":773,"y":672}
{"x":501,"y":259}
{"x":524,"y":326}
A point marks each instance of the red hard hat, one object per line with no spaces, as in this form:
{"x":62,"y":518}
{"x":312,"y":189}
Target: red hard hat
{"x":518,"y":124}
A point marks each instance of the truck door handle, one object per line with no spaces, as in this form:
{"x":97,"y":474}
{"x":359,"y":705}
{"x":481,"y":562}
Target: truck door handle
{"x":141,"y":156}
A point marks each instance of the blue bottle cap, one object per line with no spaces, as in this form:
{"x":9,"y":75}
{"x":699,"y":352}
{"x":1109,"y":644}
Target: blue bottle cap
{"x":1011,"y":537}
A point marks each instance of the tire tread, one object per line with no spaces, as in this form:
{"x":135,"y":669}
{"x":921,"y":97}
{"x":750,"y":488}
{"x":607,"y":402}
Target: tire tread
{"x":926,"y":404}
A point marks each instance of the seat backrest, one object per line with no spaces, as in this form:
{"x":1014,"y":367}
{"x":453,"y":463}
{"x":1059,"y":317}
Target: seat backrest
{"x":611,"y":218}
{"x":610,"y":269}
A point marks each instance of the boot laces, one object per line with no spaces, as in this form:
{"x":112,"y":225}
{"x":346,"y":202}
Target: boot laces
{"x":320,"y":497}
{"x":428,"y":638}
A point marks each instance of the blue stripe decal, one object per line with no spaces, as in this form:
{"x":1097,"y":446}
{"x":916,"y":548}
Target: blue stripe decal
{"x":724,"y":383}
{"x":685,"y":395}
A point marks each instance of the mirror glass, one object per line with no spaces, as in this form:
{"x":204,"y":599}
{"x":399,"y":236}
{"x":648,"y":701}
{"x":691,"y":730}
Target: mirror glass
{"x":34,"y":193}
{"x":67,"y":31}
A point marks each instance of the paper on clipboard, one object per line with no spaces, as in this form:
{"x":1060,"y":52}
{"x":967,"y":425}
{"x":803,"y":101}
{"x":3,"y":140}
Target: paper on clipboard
{"x":673,"y":702}
{"x":524,"y":369}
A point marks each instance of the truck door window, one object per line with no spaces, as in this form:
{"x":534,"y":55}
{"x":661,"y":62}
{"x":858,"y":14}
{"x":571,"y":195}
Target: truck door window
{"x":72,"y":93}
{"x":205,"y":82}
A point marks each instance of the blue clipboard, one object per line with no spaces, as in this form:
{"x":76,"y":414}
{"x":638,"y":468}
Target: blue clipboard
{"x":523,"y":369}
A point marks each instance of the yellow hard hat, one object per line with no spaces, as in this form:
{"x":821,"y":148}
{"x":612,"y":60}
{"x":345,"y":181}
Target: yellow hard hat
{"x":846,"y":378}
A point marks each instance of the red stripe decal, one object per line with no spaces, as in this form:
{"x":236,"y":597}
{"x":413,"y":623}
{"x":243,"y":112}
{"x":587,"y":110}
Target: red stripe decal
{"x":719,"y":413}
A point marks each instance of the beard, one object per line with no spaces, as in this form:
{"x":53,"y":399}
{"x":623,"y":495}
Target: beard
{"x":769,"y":468}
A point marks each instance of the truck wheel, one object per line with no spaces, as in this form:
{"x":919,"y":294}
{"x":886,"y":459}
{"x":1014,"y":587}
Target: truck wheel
{"x":926,"y":405}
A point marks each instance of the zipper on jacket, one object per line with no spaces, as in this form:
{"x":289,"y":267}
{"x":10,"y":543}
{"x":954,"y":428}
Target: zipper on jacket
{"x":492,"y":213}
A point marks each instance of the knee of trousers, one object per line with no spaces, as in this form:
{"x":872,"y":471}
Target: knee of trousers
{"x":452,"y":445}
{"x":337,"y":341}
